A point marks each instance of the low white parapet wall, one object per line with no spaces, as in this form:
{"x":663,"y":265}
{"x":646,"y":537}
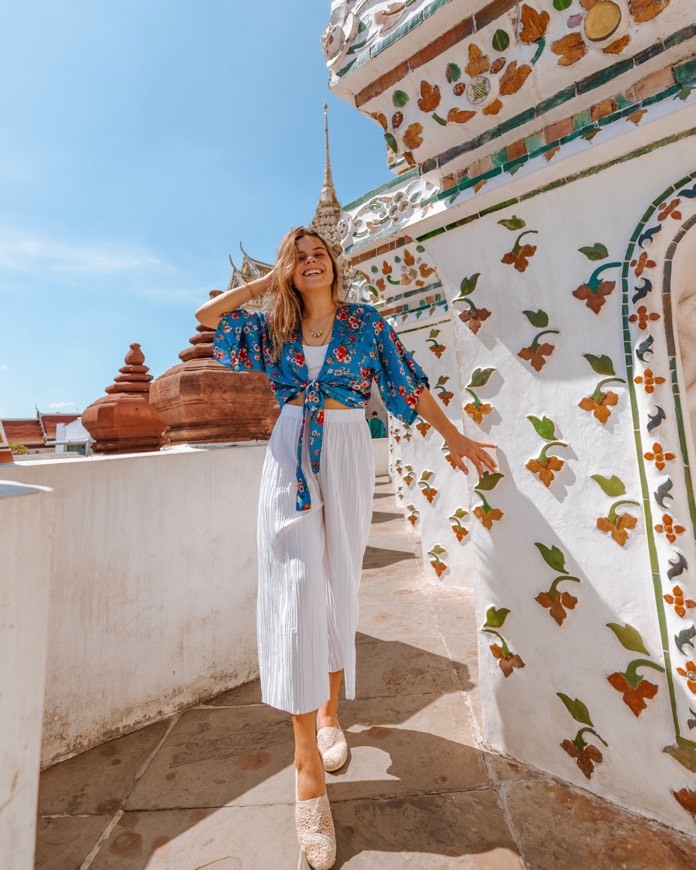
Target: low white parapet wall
{"x":153,"y":587}
{"x":380,"y":447}
{"x":25,"y":536}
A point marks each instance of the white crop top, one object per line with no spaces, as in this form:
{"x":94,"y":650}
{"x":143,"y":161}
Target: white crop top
{"x":314,"y":357}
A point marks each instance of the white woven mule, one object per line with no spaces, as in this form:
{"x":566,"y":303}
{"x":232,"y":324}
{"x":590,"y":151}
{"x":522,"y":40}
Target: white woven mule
{"x":315,"y":832}
{"x":333,"y":748}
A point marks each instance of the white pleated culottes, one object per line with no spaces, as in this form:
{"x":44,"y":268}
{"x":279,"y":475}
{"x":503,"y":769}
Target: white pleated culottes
{"x":310,"y":561}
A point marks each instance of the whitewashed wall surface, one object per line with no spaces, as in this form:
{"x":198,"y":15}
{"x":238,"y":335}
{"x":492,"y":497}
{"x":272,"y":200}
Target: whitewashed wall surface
{"x":538,"y":259}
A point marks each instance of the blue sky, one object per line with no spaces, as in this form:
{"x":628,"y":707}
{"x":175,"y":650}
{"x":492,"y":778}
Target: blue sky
{"x":140,"y":142}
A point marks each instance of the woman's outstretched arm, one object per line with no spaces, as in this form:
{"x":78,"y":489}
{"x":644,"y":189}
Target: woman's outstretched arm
{"x":210,"y":312}
{"x":458,"y":444}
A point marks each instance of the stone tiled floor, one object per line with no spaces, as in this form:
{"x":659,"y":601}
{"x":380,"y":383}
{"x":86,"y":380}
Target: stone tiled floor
{"x":213,"y":786}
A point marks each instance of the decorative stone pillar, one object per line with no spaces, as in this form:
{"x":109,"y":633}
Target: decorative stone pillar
{"x":203,"y":402}
{"x":5,"y":452}
{"x":124,"y":421}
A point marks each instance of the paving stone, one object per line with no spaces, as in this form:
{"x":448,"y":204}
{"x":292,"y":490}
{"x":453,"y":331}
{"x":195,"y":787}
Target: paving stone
{"x":501,"y":768}
{"x":99,"y":780}
{"x":222,"y":756}
{"x":390,"y":617}
{"x":560,"y":827}
{"x":63,"y":843}
{"x":389,"y":667}
{"x":425,"y":831}
{"x":230,"y":838}
{"x":412,"y":744}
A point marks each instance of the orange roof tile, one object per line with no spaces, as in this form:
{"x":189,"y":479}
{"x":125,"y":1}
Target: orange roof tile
{"x":27,"y":432}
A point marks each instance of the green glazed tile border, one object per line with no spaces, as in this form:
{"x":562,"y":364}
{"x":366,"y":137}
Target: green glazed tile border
{"x":562,"y":182}
{"x":579,"y":131}
{"x":582,"y":123}
{"x":657,"y":580}
{"x":685,"y":71}
{"x":393,"y":182}
{"x":510,"y":166}
{"x":582,"y":87}
{"x":429,"y":288}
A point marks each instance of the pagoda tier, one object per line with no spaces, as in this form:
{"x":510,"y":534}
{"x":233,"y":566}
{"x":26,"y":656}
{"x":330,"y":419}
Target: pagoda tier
{"x":124,"y":421}
{"x":203,"y":402}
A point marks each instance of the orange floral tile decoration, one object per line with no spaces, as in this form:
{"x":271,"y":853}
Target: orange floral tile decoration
{"x":642,"y":263}
{"x":686,"y":799}
{"x":642,"y":318}
{"x":648,"y":380}
{"x":474,"y":319}
{"x":557,"y":605}
{"x":633,"y":698}
{"x":689,"y":674}
{"x":668,"y":529}
{"x":536,"y":356}
{"x":507,"y":663}
{"x":602,"y":409}
{"x":677,"y":600}
{"x":619,"y":529}
{"x":438,"y":566}
{"x":594,"y":299}
{"x":586,"y":758}
{"x":545,"y":471}
{"x":488,"y":517}
{"x":519,"y":256}
{"x":670,"y":210}
{"x":658,"y":456}
{"x":477,"y":414}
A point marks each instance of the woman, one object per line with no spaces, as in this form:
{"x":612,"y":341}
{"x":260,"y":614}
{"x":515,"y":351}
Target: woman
{"x":321,"y":357}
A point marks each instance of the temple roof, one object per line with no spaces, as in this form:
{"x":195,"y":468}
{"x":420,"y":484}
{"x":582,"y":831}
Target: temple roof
{"x":249,"y":270}
{"x":36,"y":432}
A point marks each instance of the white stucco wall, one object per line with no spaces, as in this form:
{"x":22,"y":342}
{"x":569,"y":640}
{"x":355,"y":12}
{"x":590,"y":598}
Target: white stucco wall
{"x":632,"y":742}
{"x":153,"y":597}
{"x":153,"y":587}
{"x":25,"y":534}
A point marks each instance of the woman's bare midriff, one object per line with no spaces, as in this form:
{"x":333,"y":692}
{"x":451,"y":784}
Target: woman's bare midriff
{"x":329,"y":404}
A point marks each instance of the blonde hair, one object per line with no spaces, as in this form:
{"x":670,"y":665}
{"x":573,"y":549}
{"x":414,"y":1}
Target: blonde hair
{"x":286,"y":309}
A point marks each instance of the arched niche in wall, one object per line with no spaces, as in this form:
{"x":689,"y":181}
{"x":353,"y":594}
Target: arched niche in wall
{"x":659,"y":324}
{"x":682,"y":288}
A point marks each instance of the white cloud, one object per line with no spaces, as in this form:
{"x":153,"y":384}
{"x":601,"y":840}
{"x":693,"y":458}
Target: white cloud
{"x":3,"y":368}
{"x":30,"y":253}
{"x":60,"y":406}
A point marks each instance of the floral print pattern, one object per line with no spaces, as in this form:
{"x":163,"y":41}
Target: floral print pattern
{"x":363,"y":347}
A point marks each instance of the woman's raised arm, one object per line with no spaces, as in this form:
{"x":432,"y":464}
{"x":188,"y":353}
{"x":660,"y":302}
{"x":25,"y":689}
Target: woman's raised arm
{"x":210,"y":312}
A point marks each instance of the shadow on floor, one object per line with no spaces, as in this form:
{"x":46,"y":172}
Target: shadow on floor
{"x":235,"y":753}
{"x":380,"y":557}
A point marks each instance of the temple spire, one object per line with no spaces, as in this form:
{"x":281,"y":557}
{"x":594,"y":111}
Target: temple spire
{"x":328,"y":188}
{"x":328,"y":211}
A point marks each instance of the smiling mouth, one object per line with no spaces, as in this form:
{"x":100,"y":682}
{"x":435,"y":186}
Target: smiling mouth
{"x":310,"y":272}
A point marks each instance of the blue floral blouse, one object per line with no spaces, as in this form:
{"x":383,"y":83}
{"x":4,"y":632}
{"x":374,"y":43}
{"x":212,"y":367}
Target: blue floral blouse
{"x":363,"y":347}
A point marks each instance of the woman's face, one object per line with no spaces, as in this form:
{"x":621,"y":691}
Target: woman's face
{"x":314,"y":269}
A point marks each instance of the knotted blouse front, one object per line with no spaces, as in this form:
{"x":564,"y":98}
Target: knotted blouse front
{"x":363,"y":347}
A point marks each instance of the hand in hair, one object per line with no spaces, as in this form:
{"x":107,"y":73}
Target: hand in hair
{"x":210,"y":312}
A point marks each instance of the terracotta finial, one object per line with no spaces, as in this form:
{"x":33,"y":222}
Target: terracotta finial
{"x":203,"y":402}
{"x":124,"y":421}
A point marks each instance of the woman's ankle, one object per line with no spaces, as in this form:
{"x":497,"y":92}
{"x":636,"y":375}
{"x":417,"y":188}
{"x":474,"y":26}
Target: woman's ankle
{"x":327,"y":718}
{"x":311,"y":782}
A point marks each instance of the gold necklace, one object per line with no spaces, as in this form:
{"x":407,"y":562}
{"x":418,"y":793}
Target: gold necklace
{"x":323,"y":329}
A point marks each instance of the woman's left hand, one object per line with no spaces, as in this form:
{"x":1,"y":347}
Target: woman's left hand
{"x":461,"y":447}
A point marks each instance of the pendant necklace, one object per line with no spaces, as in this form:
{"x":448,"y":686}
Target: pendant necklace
{"x":320,"y":333}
